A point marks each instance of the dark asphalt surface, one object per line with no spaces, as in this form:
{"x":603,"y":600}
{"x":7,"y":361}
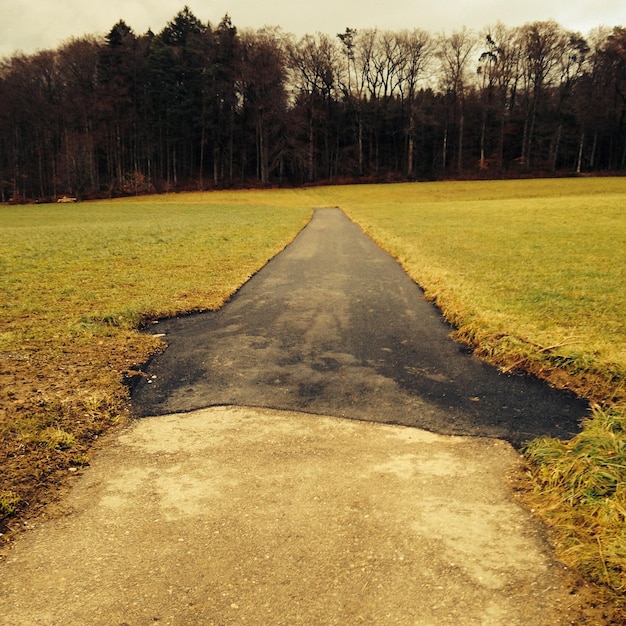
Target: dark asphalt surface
{"x":334,"y":326}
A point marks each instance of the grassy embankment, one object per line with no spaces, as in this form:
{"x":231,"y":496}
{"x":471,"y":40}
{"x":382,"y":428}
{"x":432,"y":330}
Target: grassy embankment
{"x":530,"y":272}
{"x":76,"y":281}
{"x":533,"y":275}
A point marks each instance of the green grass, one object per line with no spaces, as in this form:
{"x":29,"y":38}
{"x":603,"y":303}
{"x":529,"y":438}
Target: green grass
{"x":115,"y":263}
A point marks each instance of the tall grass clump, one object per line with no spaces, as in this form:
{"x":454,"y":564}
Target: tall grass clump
{"x":580,"y":489}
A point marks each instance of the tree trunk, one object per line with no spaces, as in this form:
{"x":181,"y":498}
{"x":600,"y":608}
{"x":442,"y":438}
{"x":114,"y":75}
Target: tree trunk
{"x":501,"y":146}
{"x":557,"y":145}
{"x":40,"y":168}
{"x":522,"y":156}
{"x":263,"y":175}
{"x":483,"y":134}
{"x":231,"y":145}
{"x":311,"y":154}
{"x":592,"y":159}
{"x":360,"y":140}
{"x":579,"y":161}
{"x":118,"y":157}
{"x":216,"y":165}
{"x":461,"y":131}
{"x":531,"y":134}
{"x":202,"y":142}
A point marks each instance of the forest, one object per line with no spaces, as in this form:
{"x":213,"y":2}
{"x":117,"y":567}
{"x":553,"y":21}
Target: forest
{"x":202,"y":106}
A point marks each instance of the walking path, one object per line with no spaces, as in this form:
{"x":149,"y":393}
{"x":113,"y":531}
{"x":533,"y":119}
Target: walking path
{"x":334,"y":326}
{"x":238,"y":515}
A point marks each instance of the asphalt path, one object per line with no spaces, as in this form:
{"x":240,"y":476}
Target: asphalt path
{"x":334,"y":326}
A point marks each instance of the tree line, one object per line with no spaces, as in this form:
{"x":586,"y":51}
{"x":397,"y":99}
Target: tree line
{"x":199,"y":106}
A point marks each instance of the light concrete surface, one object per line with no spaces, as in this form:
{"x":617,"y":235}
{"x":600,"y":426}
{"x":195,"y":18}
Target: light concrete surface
{"x":244,"y":516}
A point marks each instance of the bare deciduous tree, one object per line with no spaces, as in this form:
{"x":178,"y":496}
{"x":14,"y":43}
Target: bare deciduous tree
{"x":455,"y":53}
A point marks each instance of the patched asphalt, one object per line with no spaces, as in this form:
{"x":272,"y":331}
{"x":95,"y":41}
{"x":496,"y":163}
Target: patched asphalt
{"x":233,"y":516}
{"x":334,"y":326}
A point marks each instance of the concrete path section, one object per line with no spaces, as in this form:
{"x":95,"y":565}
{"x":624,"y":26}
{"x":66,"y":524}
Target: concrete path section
{"x":232,"y":516}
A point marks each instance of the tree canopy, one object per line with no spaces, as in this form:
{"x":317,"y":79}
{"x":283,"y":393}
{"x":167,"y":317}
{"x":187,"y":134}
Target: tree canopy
{"x":204,"y":106}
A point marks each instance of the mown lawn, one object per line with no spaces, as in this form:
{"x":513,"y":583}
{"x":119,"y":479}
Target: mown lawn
{"x":532,"y":274}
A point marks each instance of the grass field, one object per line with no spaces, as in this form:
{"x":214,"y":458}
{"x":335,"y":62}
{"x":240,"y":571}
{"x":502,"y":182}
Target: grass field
{"x":532,"y":273}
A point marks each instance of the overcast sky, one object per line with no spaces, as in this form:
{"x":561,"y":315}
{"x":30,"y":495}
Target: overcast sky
{"x":29,"y":25}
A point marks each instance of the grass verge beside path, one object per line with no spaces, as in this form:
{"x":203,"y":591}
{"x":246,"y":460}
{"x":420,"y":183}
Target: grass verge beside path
{"x":533,"y":276}
{"x":76,"y":281}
